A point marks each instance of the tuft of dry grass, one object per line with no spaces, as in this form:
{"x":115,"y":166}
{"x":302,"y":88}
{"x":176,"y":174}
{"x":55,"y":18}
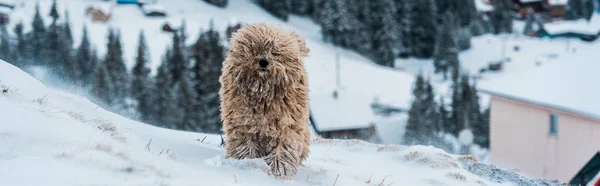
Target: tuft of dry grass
{"x":481,"y":183}
{"x":104,"y":148}
{"x":467,"y":159}
{"x":413,"y":155}
{"x":388,"y":148}
{"x":456,"y":176}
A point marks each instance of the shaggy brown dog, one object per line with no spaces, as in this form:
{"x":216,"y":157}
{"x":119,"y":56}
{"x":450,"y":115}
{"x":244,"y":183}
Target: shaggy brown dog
{"x":264,"y":98}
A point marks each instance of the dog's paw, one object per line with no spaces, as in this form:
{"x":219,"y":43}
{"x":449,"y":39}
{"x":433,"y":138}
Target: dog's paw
{"x":282,"y":169}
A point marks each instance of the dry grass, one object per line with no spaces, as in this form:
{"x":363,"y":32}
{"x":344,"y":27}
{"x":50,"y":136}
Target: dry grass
{"x":388,"y":148}
{"x":481,"y":183}
{"x":467,"y":159}
{"x":413,"y":155}
{"x":41,"y":100}
{"x":104,"y":148}
{"x":456,"y":176}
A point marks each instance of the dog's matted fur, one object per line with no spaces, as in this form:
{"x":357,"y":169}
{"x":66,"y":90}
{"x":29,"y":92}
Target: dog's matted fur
{"x":264,"y":97}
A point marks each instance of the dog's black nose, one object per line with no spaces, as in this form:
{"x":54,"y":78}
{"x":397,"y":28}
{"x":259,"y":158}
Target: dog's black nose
{"x":263,"y":62}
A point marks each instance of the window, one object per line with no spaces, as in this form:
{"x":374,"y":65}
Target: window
{"x":553,"y":124}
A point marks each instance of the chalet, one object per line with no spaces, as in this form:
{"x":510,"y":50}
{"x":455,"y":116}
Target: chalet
{"x":556,"y":10}
{"x":99,"y":12}
{"x":545,"y":122}
{"x":346,"y":117}
{"x":6,"y":7}
{"x":153,"y":10}
{"x":523,"y":7}
{"x":581,"y":28}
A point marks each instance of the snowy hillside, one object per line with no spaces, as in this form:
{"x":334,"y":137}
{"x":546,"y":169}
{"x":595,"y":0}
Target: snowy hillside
{"x":393,"y":86}
{"x":49,"y":137}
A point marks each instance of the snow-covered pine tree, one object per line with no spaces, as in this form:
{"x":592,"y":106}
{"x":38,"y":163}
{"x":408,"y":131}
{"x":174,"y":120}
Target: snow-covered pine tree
{"x":85,"y":58}
{"x":466,"y":12}
{"x":529,"y":21}
{"x":208,"y":58}
{"x":501,"y":16}
{"x":477,"y":27}
{"x":385,"y":32}
{"x":38,"y":37}
{"x":165,"y":111}
{"x":432,"y":116}
{"x":141,"y":84}
{"x":423,"y":28}
{"x":177,"y":60}
{"x":231,"y":29}
{"x":337,"y":23}
{"x":415,"y":132}
{"x":116,"y":70}
{"x":277,"y":8}
{"x":455,"y":124}
{"x":219,"y":3}
{"x":5,"y":46}
{"x":20,"y":50}
{"x":446,"y":49}
{"x":480,"y":126}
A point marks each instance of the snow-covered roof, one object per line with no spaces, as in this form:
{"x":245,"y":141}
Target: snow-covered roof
{"x":483,"y":5}
{"x":104,"y":7}
{"x":580,"y":26}
{"x":558,"y":2}
{"x":565,"y":83}
{"x":153,"y":8}
{"x":348,"y":111}
{"x":5,"y":10}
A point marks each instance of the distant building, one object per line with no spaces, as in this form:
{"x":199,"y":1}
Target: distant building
{"x":347,"y":117}
{"x":128,"y":1}
{"x":99,"y":13}
{"x":545,"y":122}
{"x":581,"y":28}
{"x":6,"y":7}
{"x":153,"y":10}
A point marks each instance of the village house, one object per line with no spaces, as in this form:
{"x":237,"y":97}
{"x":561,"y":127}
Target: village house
{"x":545,"y":122}
{"x":345,"y":117}
{"x":581,"y":28}
{"x":99,"y":12}
{"x":6,"y":7}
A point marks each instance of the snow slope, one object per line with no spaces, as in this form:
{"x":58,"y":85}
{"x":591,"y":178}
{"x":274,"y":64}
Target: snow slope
{"x":48,"y":137}
{"x":359,"y":76}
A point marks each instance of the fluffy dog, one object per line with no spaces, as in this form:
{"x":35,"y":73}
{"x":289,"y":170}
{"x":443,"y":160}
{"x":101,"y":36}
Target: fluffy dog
{"x":264,"y":98}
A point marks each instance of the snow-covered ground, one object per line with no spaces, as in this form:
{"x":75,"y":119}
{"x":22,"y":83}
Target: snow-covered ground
{"x":48,"y":137}
{"x":359,"y":76}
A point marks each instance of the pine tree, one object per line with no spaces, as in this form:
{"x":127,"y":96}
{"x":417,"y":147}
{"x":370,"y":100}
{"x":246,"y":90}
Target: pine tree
{"x":166,"y":112}
{"x":423,"y":116}
{"x":501,"y":16}
{"x":466,"y":12}
{"x":5,"y":48}
{"x":20,"y":50}
{"x":304,"y":7}
{"x":385,"y":32}
{"x":528,"y":25}
{"x":338,"y":25}
{"x":116,"y":70}
{"x":38,"y":36}
{"x":446,"y":50}
{"x":140,"y":86}
{"x":232,"y":28}
{"x":67,"y":30}
{"x":463,"y":36}
{"x":219,"y":3}
{"x":54,"y":11}
{"x":423,"y":28}
{"x":177,"y":60}
{"x":403,"y":12}
{"x":57,"y":54}
{"x":186,"y":99}
{"x":482,"y":131}
{"x":444,"y":118}
{"x":102,"y":87}
{"x":456,"y":121}
{"x":86,"y":59}
{"x":277,"y":8}
{"x":208,"y":58}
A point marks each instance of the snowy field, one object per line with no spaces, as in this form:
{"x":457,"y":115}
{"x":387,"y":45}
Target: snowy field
{"x":48,"y":137}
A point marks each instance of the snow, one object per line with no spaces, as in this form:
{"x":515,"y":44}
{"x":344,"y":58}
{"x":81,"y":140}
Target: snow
{"x":581,"y":26}
{"x":67,"y":140}
{"x":483,"y":5}
{"x":558,"y":2}
{"x":564,"y":83}
{"x":348,"y":111}
{"x":5,"y":10}
{"x":389,"y":85}
{"x":465,"y":137}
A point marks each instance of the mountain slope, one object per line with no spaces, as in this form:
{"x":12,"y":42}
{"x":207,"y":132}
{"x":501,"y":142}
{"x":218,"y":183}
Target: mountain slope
{"x":48,"y":137}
